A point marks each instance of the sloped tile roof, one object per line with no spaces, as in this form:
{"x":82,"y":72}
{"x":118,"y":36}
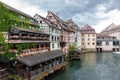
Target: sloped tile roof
{"x":61,"y":22}
{"x":72,"y":25}
{"x":39,"y":58}
{"x":110,"y":27}
{"x":87,"y":27}
{"x":47,"y":21}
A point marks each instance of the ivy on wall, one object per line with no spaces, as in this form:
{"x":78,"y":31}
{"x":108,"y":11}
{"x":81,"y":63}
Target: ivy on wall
{"x":9,"y":18}
{"x":1,"y":38}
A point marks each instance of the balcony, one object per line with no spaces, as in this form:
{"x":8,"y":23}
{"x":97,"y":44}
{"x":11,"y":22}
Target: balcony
{"x":33,"y":51}
{"x":16,"y":37}
{"x":62,"y":43}
{"x":22,"y":34}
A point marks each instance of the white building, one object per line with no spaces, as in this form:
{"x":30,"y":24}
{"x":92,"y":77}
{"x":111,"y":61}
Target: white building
{"x":107,"y":43}
{"x":47,"y":27}
{"x":75,"y":37}
{"x":112,"y":30}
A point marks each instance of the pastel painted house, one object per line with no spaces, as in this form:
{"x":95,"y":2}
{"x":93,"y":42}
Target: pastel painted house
{"x":48,"y":27}
{"x":88,"y":38}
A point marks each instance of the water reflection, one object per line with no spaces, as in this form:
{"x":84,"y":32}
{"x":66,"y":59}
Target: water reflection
{"x":92,"y":66}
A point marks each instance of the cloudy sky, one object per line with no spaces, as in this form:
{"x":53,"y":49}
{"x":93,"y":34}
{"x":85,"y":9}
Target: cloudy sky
{"x":97,"y":13}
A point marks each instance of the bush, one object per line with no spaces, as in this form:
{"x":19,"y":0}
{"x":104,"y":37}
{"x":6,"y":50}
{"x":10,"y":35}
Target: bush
{"x":72,"y":47}
{"x":15,"y":77}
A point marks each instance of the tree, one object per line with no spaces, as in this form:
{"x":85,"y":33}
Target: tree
{"x":73,"y":47}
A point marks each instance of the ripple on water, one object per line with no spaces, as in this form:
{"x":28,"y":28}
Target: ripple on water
{"x":93,"y":66}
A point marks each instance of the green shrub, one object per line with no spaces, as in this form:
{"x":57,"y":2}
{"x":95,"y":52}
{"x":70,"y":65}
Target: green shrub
{"x":15,"y":77}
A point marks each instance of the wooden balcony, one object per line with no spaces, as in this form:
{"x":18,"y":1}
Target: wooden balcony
{"x":33,"y":51}
{"x":62,"y":43}
{"x":28,"y":38}
{"x":22,"y":34}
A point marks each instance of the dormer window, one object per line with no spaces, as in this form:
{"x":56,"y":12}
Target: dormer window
{"x":50,"y":17}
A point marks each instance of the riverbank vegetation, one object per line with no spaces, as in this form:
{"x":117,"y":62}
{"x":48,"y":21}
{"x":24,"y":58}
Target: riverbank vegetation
{"x":86,"y":51}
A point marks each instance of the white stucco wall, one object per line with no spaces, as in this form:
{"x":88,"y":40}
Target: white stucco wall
{"x":107,"y":47}
{"x":78,"y":37}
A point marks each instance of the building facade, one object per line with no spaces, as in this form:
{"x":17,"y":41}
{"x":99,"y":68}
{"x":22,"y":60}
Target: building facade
{"x":25,"y":48}
{"x":107,"y":43}
{"x":48,"y":27}
{"x":64,"y":30}
{"x":76,"y":37}
{"x":88,"y":37}
{"x":112,"y":30}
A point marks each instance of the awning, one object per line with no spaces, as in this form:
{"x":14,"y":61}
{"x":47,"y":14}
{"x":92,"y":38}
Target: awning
{"x":39,"y":58}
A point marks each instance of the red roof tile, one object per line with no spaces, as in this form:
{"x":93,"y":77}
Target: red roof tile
{"x":87,"y":27}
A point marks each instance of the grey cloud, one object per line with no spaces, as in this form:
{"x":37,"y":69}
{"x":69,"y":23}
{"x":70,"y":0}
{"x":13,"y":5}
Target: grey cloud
{"x":70,"y":8}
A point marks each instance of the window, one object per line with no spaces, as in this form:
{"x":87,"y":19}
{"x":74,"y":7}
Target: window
{"x":88,"y":43}
{"x":58,"y":45}
{"x":41,"y":22}
{"x":42,"y":45}
{"x":52,"y":38}
{"x":88,"y":39}
{"x":107,"y":43}
{"x":115,"y":43}
{"x":99,"y":43}
{"x":88,"y":35}
{"x":93,"y":39}
{"x":93,"y":43}
{"x":83,"y":39}
{"x":50,"y":17}
{"x":83,"y":43}
{"x":52,"y":30}
{"x":93,"y":35}
{"x":57,"y":38}
{"x":52,"y":45}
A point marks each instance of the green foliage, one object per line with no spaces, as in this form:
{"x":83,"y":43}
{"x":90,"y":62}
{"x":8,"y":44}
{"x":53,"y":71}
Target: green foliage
{"x":3,"y":17}
{"x":11,"y":46}
{"x":9,"y":18}
{"x":86,"y":51}
{"x":3,"y":10}
{"x":19,"y":48}
{"x":9,"y":55}
{"x":5,"y":47}
{"x":1,"y":38}
{"x":72,"y":47}
{"x":22,"y":46}
{"x":15,"y":77}
{"x":33,"y":45}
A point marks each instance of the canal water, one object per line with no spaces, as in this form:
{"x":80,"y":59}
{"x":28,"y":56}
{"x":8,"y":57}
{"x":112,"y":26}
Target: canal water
{"x":92,"y":66}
